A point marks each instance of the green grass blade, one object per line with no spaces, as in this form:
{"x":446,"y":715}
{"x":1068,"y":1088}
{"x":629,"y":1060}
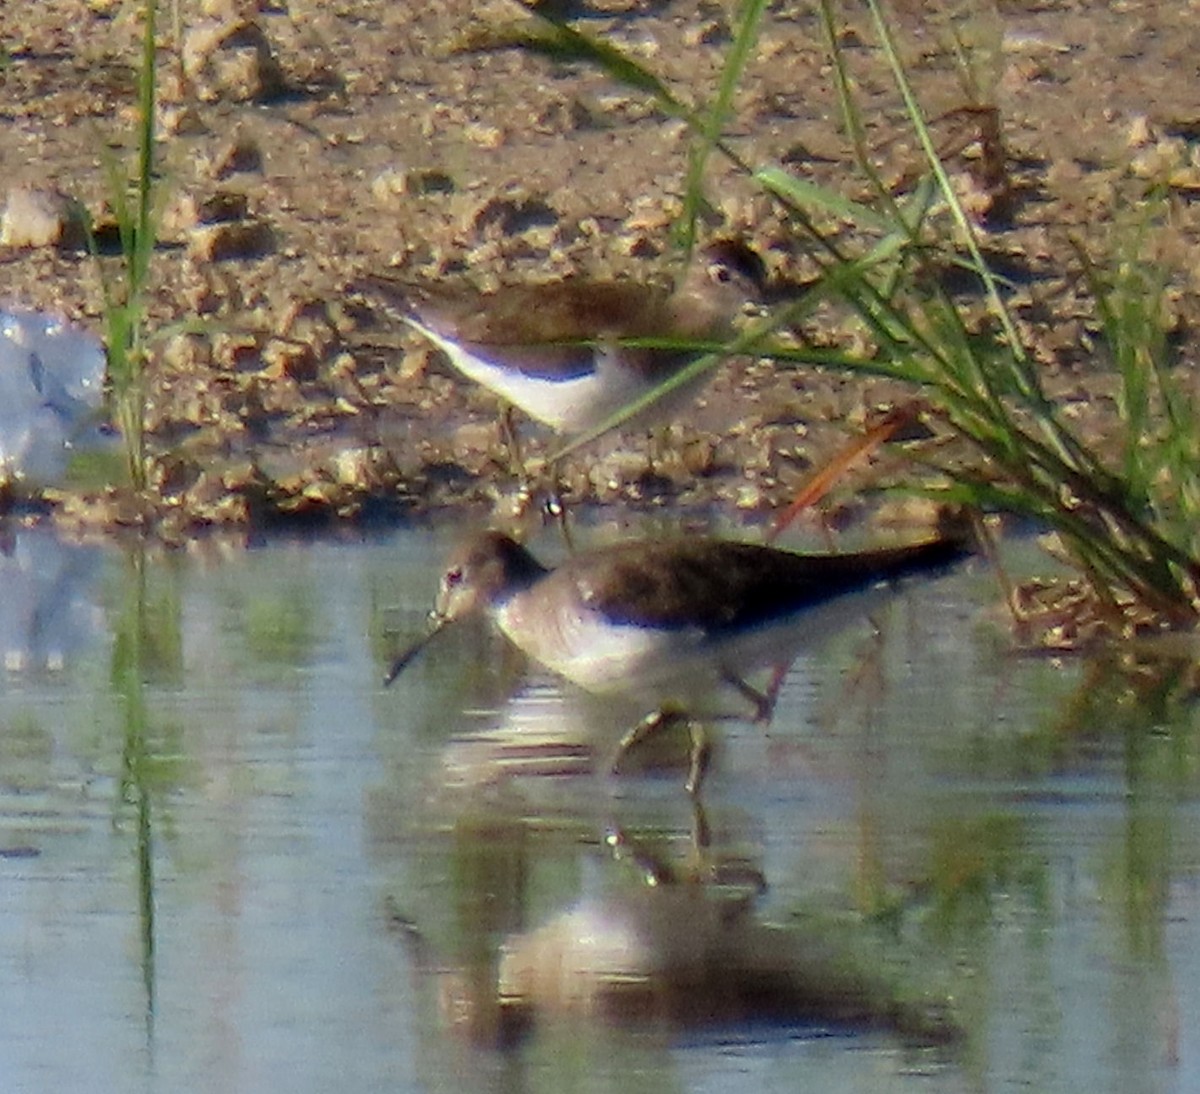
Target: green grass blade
{"x":814,"y":196}
{"x":715,"y":117}
{"x":561,"y":42}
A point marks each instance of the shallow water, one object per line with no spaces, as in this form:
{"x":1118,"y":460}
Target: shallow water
{"x":230,"y":860}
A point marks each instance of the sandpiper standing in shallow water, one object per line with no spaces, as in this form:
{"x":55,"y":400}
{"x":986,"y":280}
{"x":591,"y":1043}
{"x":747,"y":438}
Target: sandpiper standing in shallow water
{"x":644,"y":613}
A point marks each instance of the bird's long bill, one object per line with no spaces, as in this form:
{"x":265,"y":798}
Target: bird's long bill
{"x":437,"y":624}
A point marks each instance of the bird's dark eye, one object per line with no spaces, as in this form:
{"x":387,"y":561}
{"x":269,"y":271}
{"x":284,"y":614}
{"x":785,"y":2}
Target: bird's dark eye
{"x":720,"y":273}
{"x":453,"y":577}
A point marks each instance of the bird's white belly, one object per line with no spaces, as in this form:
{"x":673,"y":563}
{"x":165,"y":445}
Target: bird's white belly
{"x":570,"y":405}
{"x":606,"y":657}
{"x":597,"y":655}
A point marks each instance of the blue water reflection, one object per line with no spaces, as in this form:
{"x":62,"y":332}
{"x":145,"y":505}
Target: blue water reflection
{"x":50,"y":609}
{"x":252,"y":868}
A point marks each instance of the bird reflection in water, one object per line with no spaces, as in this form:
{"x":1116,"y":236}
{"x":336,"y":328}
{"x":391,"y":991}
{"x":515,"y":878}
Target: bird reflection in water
{"x":677,"y":948}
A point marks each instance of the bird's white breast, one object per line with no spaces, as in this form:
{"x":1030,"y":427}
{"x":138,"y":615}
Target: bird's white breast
{"x":596,"y":654}
{"x":570,"y":405}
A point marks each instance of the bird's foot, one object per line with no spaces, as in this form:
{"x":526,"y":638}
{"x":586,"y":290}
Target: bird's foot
{"x":665,"y":718}
{"x":762,"y":701}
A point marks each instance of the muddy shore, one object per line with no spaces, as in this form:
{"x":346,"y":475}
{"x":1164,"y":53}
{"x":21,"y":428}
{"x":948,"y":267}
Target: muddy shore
{"x":304,"y":145}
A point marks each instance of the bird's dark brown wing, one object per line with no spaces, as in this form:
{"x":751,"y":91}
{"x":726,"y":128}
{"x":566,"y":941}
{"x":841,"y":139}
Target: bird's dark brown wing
{"x":716,"y":585}
{"x":524,"y":315}
{"x":541,"y":331}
